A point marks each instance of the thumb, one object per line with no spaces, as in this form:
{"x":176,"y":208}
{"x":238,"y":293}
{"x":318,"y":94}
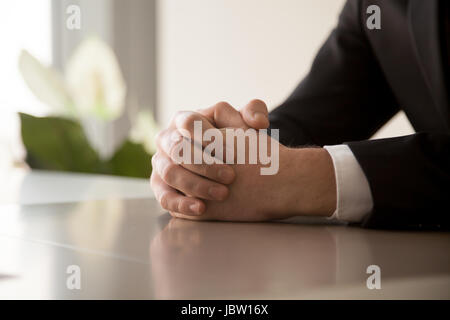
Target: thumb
{"x":255,"y":114}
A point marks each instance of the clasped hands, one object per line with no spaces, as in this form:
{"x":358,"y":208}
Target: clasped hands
{"x":303,"y":185}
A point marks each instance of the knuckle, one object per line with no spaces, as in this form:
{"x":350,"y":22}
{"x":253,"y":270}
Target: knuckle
{"x":173,"y":117}
{"x":196,"y":188}
{"x":176,"y":151}
{"x":222,"y":104}
{"x":204,"y":170}
{"x":154,"y":160}
{"x":152,"y":180}
{"x":160,"y":134}
{"x":210,"y":171}
{"x":221,"y":107}
{"x":258,"y":104}
{"x":179,"y":113}
{"x":164,"y":200}
{"x":188,"y":119}
{"x":178,"y":205}
{"x":168,"y":172}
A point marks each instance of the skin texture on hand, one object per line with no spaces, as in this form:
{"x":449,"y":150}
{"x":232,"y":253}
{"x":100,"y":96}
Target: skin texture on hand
{"x":181,"y":188}
{"x":304,"y":185}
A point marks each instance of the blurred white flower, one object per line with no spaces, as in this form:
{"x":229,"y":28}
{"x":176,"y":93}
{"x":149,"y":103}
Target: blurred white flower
{"x":46,"y":84}
{"x":95,"y":82}
{"x":144,"y":131}
{"x":92,"y":91}
{"x":93,"y":88}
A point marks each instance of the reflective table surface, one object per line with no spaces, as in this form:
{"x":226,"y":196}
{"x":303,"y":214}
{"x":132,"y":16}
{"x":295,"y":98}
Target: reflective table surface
{"x":131,"y":249}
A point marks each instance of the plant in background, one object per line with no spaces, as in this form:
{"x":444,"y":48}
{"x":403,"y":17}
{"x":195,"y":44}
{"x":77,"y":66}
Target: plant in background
{"x":84,"y":103}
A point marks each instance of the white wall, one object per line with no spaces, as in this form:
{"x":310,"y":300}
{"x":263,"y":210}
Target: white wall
{"x":23,"y":24}
{"x":236,"y":50}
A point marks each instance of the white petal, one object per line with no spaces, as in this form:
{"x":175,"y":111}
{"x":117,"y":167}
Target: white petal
{"x":95,"y":81}
{"x":46,"y":84}
{"x":144,"y":131}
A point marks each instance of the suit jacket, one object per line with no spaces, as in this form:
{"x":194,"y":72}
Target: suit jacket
{"x":359,"y":79}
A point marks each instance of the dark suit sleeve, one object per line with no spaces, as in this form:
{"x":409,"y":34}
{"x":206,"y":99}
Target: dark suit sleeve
{"x":345,"y":97}
{"x":409,"y":178}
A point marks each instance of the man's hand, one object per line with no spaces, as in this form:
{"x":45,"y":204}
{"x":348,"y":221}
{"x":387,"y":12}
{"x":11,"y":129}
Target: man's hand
{"x":304,"y":185}
{"x":182,"y":188}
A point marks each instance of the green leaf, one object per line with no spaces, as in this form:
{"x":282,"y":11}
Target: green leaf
{"x":60,"y":144}
{"x":57,"y":144}
{"x":131,"y":160}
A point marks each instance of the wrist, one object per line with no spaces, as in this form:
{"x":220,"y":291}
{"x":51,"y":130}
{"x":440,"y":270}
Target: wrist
{"x":308,"y":182}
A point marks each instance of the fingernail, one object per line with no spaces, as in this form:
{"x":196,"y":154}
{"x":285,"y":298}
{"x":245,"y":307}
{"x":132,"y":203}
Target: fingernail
{"x":195,"y":208}
{"x":226,"y":175}
{"x":218,"y":192}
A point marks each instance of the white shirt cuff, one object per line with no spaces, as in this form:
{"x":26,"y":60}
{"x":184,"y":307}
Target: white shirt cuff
{"x":354,"y":198}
